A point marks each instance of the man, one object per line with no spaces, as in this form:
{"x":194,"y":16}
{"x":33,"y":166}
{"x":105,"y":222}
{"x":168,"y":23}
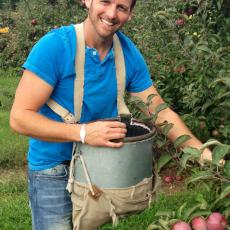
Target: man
{"x":49,"y":72}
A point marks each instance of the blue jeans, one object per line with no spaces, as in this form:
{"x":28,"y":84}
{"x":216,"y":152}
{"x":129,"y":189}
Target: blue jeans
{"x":50,"y":202}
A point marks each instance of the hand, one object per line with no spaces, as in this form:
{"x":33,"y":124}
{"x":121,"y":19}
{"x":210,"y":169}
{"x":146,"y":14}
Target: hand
{"x":101,"y":133}
{"x":207,"y":156}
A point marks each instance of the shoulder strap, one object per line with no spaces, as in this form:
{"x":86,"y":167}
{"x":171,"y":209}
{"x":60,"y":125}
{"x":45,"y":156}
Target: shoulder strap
{"x":79,"y":69}
{"x":79,"y":79}
{"x":121,"y":76}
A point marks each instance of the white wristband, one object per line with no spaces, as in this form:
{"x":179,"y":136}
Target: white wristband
{"x":82,"y":133}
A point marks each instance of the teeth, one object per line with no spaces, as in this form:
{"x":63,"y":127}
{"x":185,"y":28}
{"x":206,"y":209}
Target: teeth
{"x":107,"y":23}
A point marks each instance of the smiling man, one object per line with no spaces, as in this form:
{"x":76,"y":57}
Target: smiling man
{"x":50,"y":73}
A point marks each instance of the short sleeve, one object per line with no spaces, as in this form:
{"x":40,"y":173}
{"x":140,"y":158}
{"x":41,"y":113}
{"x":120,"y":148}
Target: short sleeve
{"x":45,"y":58}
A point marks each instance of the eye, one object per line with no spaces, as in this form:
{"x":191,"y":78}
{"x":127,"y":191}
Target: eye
{"x":123,"y":8}
{"x":104,"y":2}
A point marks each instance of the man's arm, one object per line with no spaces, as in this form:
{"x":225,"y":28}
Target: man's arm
{"x":32,"y":93}
{"x":179,"y":128}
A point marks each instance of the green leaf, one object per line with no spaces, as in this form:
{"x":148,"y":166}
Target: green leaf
{"x":219,"y":4}
{"x":188,"y":42}
{"x":206,"y":186}
{"x":165,"y":213}
{"x":209,"y":143}
{"x":223,"y":95}
{"x":206,"y":105}
{"x":203,"y":213}
{"x":153,"y":117}
{"x":190,"y":211}
{"x":180,"y":210}
{"x":173,"y":221}
{"x":164,"y":223}
{"x":161,"y":107}
{"x":220,"y":203}
{"x":141,"y":105}
{"x":204,"y":48}
{"x":201,"y":175}
{"x":226,"y":202}
{"x":160,"y":142}
{"x":134,"y":99}
{"x":150,"y":98}
{"x":162,"y":14}
{"x":182,"y":62}
{"x":225,"y":192}
{"x":192,"y":151}
{"x":163,"y":160}
{"x":180,"y":140}
{"x":138,"y":102}
{"x":166,"y":128}
{"x":185,"y":158}
{"x":203,"y":203}
{"x":227,"y":169}
{"x":226,"y":212}
{"x":219,"y":152}
{"x":154,"y":226}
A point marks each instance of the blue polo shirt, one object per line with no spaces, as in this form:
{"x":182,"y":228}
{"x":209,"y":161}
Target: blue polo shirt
{"x":53,"y":60}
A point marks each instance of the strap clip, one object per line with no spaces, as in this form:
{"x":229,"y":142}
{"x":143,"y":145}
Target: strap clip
{"x":126,"y":118}
{"x":69,"y":118}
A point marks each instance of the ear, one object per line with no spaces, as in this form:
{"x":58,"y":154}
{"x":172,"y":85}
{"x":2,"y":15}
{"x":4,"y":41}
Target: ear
{"x":130,"y":16}
{"x":88,"y":3}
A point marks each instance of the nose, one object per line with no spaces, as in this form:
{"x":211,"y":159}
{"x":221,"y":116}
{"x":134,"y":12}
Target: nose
{"x":111,"y":12}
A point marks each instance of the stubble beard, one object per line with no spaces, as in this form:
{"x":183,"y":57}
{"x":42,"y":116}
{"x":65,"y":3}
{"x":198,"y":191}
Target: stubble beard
{"x":96,"y":22}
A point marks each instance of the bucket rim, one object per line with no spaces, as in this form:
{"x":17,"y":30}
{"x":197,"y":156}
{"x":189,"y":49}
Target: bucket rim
{"x":152,"y":132}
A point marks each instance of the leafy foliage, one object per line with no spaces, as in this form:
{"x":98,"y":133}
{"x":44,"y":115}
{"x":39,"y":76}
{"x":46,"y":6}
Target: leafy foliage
{"x":29,"y":22}
{"x":186,"y":47}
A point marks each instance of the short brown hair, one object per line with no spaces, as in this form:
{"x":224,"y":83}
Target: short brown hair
{"x":133,"y":4}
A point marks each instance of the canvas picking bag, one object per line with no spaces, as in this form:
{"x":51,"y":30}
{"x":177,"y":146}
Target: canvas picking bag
{"x":108,"y":183}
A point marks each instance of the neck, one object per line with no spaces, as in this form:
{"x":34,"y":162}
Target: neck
{"x":93,"y":40}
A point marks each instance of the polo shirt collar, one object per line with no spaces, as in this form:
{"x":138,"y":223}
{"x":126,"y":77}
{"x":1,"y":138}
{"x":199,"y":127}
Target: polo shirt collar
{"x":93,"y":53}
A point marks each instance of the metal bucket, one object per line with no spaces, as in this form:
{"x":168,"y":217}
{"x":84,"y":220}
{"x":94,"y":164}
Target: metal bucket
{"x":119,"y":167}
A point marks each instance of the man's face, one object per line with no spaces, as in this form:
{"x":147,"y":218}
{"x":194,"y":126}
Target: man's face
{"x":108,"y":16}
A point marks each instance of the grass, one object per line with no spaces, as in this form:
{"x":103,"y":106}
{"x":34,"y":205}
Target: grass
{"x":8,"y":82}
{"x":14,"y":211}
{"x":13,"y":146}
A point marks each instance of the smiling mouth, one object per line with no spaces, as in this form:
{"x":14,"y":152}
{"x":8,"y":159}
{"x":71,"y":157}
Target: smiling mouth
{"x":108,"y":23}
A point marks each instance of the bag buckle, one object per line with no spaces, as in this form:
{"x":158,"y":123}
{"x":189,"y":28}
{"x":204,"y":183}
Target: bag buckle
{"x":69,"y":118}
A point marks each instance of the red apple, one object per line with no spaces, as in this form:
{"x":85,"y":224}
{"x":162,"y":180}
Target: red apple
{"x":216,"y":221}
{"x":168,"y":179}
{"x":178,"y":178}
{"x":180,"y":22}
{"x":180,"y":225}
{"x":199,"y":223}
{"x":189,"y":12}
{"x":34,"y":22}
